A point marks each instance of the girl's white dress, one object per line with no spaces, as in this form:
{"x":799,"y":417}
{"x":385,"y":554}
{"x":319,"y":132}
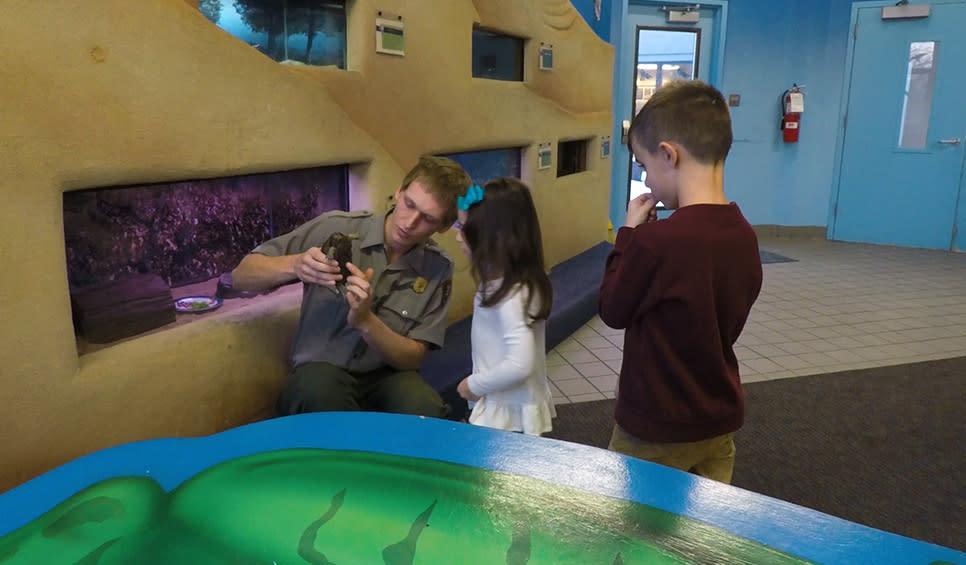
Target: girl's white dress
{"x":510,"y":366}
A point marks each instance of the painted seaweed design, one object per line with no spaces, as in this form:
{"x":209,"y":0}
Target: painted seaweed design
{"x":519,"y":551}
{"x":307,"y":549}
{"x":94,"y":510}
{"x":403,"y":552}
{"x":94,"y":557}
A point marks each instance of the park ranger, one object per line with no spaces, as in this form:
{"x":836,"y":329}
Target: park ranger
{"x":375,"y":298}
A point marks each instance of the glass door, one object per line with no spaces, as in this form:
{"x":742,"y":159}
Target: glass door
{"x":664,"y":54}
{"x":650,"y":40}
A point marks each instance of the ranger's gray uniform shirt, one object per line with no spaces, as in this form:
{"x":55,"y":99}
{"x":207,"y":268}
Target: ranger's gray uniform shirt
{"x":411,"y":296}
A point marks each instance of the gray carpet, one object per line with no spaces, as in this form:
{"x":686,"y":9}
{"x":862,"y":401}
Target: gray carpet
{"x":772,"y":257}
{"x":882,"y":447}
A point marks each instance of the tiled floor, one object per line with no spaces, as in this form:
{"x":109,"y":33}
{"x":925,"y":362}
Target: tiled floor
{"x":841,"y":306}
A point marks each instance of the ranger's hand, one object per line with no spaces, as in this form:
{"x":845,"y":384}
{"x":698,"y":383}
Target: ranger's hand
{"x":315,"y":267}
{"x":359,"y":295}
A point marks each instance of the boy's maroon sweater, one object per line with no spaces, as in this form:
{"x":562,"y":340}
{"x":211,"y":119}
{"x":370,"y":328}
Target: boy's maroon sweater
{"x":682,"y":289}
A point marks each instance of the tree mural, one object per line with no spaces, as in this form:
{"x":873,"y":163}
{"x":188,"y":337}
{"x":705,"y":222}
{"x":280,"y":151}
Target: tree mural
{"x":283,"y":21}
{"x":263,"y":16}
{"x":309,"y":18}
{"x":210,"y":9}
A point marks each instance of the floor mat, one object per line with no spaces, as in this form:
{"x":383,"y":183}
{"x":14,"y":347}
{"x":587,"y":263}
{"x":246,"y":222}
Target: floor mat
{"x":847,"y":444}
{"x":772,"y":257}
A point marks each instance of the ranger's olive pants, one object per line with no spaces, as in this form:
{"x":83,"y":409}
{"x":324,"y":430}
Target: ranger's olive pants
{"x":323,"y":387}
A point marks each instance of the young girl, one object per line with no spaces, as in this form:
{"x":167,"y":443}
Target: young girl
{"x":498,"y":230}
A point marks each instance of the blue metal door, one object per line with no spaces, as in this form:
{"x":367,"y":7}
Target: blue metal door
{"x":901,"y":166}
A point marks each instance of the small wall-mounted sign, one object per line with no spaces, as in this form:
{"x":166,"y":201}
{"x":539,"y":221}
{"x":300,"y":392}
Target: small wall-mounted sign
{"x":905,"y":11}
{"x":544,"y":156}
{"x":389,"y":34}
{"x":546,"y":56}
{"x":686,"y":16}
{"x":605,"y":147}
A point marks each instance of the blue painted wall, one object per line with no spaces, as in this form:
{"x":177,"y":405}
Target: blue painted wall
{"x":768,"y":46}
{"x":586,"y":9}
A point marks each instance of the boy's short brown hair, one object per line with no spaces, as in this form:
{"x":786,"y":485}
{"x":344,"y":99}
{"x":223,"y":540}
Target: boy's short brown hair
{"x":692,"y":114}
{"x":445,"y":180}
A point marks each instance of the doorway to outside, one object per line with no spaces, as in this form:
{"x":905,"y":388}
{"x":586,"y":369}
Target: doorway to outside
{"x":663,"y":55}
{"x":652,"y":51}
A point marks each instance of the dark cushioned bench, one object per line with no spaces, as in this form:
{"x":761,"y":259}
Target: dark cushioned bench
{"x":575,"y":285}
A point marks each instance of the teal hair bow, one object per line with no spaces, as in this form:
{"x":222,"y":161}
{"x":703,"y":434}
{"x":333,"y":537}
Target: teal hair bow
{"x":474,"y":194}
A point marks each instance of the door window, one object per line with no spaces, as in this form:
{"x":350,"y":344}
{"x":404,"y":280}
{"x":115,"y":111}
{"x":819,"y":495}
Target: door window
{"x":663,"y":55}
{"x":917,"y":102}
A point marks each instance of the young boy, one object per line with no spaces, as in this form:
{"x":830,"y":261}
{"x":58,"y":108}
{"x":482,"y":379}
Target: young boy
{"x":682,"y":288}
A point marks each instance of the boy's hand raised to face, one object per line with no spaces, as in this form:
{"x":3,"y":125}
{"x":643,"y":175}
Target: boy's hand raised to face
{"x":640,"y":210}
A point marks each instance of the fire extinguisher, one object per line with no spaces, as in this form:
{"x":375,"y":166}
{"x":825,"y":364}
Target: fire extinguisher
{"x":793,"y":105}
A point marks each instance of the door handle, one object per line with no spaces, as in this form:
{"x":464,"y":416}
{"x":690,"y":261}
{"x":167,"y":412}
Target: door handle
{"x":953,"y":141}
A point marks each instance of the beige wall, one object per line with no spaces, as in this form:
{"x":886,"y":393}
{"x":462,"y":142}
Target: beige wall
{"x":111,"y":92}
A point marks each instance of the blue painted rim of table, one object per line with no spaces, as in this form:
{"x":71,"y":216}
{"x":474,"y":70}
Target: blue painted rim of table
{"x":784,"y":526}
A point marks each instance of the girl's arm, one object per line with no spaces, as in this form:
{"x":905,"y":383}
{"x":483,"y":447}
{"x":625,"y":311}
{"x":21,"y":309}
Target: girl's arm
{"x":520,"y":343}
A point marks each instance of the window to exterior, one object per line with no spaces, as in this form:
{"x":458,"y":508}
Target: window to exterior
{"x":304,"y":31}
{"x":490,"y":164}
{"x":572,"y":157}
{"x":497,"y":56}
{"x":663,"y":55}
{"x":917,"y":103}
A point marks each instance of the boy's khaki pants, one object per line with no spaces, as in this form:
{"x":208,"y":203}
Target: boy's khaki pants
{"x":712,"y":458}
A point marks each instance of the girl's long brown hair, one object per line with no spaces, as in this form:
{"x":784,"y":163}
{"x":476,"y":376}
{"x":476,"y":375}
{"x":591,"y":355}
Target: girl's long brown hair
{"x":503,"y":234}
